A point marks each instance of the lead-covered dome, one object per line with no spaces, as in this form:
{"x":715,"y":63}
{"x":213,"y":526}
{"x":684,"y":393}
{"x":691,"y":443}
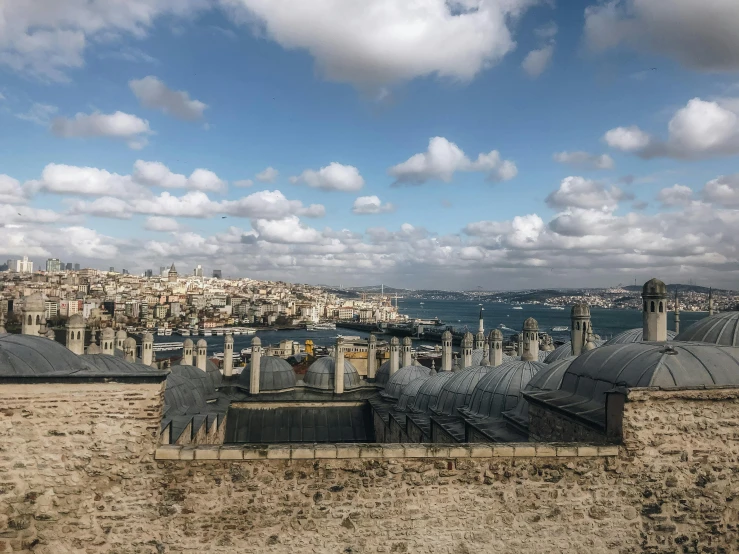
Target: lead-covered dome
{"x":275,"y":374}
{"x":721,"y":329}
{"x":500,"y":389}
{"x":32,"y":356}
{"x":654,"y":287}
{"x":633,"y":335}
{"x":428,"y":394}
{"x":565,"y":351}
{"x":320,"y":374}
{"x":383,"y":374}
{"x":457,"y":391}
{"x":401,"y":378}
{"x":410,"y":392}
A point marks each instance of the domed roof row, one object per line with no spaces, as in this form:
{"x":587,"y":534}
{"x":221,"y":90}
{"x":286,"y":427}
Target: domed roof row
{"x":275,"y":374}
{"x":721,"y":328}
{"x":320,"y":374}
{"x":401,"y":378}
{"x":633,"y":335}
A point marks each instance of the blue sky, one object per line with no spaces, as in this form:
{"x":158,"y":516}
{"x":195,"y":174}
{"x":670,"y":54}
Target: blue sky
{"x":237,"y":86}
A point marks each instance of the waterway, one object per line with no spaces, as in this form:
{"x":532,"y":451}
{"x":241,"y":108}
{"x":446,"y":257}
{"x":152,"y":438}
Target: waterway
{"x":460,"y":315}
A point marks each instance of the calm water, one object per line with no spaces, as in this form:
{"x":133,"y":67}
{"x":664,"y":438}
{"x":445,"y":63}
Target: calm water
{"x":459,"y":314}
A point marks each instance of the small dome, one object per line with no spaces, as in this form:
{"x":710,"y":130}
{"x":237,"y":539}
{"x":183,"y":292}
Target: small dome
{"x":500,"y":390}
{"x":129,"y":344}
{"x":108,"y":333}
{"x":581,"y":309}
{"x":654,"y":287}
{"x":496,"y":335}
{"x":394,"y":341}
{"x":320,"y":374}
{"x":76,"y":321}
{"x":202,"y":344}
{"x":721,"y":329}
{"x":530,"y":324}
{"x":30,"y":356}
{"x":410,"y":391}
{"x":401,"y":378}
{"x":229,"y":339}
{"x":33,"y":302}
{"x":407,"y":341}
{"x":383,"y":374}
{"x":632,"y":335}
{"x":93,"y":349}
{"x":275,"y":374}
{"x":188,"y":343}
{"x":147,"y":337}
{"x":428,"y":394}
{"x":256,"y":341}
{"x":121,"y":335}
{"x":446,"y":335}
{"x":457,"y":391}
{"x":467,"y":340}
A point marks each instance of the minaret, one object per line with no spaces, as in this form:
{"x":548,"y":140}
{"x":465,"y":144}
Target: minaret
{"x":339,"y":367}
{"x":446,"y":351}
{"x":710,"y":301}
{"x":129,"y":349}
{"x":256,"y":358}
{"x":187,"y":347}
{"x":394,"y":356}
{"x":530,"y":339}
{"x":120,"y":336}
{"x":496,"y":347}
{"x":467,"y":350}
{"x":228,"y":356}
{"x":579,"y":327}
{"x":677,"y":313}
{"x":33,"y":309}
{"x":371,"y":357}
{"x":147,"y":348}
{"x":481,"y":324}
{"x":76,"y":334}
{"x":107,"y":341}
{"x":407,"y":360}
{"x":202,"y":355}
{"x":654,"y":314}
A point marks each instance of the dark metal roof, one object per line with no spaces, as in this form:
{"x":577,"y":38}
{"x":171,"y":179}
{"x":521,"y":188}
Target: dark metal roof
{"x":721,"y":329}
{"x":320,"y":374}
{"x":428,"y":394}
{"x":500,"y":389}
{"x":401,"y":378}
{"x":27,"y":355}
{"x":383,"y":374}
{"x":187,"y":391}
{"x":113,"y":364}
{"x":633,"y":335}
{"x":274,"y":374}
{"x":457,"y":391}
{"x":641,"y":364}
{"x":562,"y":351}
{"x":299,"y":424}
{"x":477,"y":355}
{"x":410,"y":391}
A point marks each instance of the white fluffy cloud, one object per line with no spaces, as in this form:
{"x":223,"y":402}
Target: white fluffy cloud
{"x":269,"y":175}
{"x":11,"y":191}
{"x":154,"y":94}
{"x":444,"y":158}
{"x":129,"y":128}
{"x":700,"y":35}
{"x":106,"y":206}
{"x":585,"y":160}
{"x":371,"y":205}
{"x":85,"y":181}
{"x":156,"y":174}
{"x":376,"y":42}
{"x":537,"y":60}
{"x":676,"y":195}
{"x":162,"y":224}
{"x":334,"y":176}
{"x":289,"y":230}
{"x":269,"y":204}
{"x":578,"y":192}
{"x":701,"y":129}
{"x":10,"y":214}
{"x":723,"y":191}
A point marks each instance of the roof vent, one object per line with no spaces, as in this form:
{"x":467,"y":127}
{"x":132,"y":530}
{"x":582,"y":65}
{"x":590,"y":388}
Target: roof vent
{"x":669,"y":350}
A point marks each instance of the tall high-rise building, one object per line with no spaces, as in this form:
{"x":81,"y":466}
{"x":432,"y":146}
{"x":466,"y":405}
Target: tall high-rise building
{"x":53,"y":265}
{"x":217,"y":274}
{"x":76,"y":267}
{"x":125,"y":271}
{"x":112,"y":269}
{"x":198,"y":271}
{"x":163,"y":271}
{"x":68,"y":267}
{"x":21,"y":266}
{"x":148,"y":273}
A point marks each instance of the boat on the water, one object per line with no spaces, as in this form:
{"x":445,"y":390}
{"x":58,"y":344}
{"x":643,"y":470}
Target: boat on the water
{"x":326,"y":326}
{"x":517,"y":308}
{"x":165,"y":346}
{"x":560,"y":329}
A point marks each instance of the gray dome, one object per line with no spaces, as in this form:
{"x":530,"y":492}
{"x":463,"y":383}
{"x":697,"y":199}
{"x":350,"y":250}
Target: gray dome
{"x":187,"y":391}
{"x":274,"y":374}
{"x":721,"y":329}
{"x":383,"y":374}
{"x":632,"y":335}
{"x":33,"y":302}
{"x":428,"y":394}
{"x":115,"y":365}
{"x":581,"y":309}
{"x":320,"y":374}
{"x":401,"y":378}
{"x":410,"y":391}
{"x":32,"y":356}
{"x":500,"y":390}
{"x":654,"y":287}
{"x":457,"y":391}
{"x":640,"y":364}
{"x":477,"y":355}
{"x":565,"y":350}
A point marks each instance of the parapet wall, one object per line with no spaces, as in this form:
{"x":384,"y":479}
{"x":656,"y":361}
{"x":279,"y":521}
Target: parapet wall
{"x":80,"y":471}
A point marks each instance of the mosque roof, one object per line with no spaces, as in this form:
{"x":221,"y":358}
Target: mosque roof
{"x":457,"y":391}
{"x":275,"y":374}
{"x":721,"y":329}
{"x":428,"y":394}
{"x":640,"y":364}
{"x":113,"y":364}
{"x":401,"y":378}
{"x":410,"y":392}
{"x":477,"y":355}
{"x":320,"y":374}
{"x":565,"y":351}
{"x":633,"y":335}
{"x":383,"y":373}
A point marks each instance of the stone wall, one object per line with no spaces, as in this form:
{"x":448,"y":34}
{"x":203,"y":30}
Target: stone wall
{"x":78,"y":473}
{"x":548,"y":425}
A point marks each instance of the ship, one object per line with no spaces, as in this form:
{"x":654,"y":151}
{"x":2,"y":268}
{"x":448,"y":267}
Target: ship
{"x":560,"y":329}
{"x":183,"y":332}
{"x":165,"y":346}
{"x":517,"y":308}
{"x":327,"y":326}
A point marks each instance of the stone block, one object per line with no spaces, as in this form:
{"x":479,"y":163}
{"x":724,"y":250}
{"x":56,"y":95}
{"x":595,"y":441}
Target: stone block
{"x":347,"y":451}
{"x":502,"y":451}
{"x":480,"y":451}
{"x":459,"y":452}
{"x":302,"y":453}
{"x":393,"y":451}
{"x":524,"y":451}
{"x":206,"y":452}
{"x":168,"y":452}
{"x":187,"y":453}
{"x":255,"y":452}
{"x":231,"y":453}
{"x":416,"y":451}
{"x":587,"y":451}
{"x":325,"y":451}
{"x":610,"y":450}
{"x":545,"y":450}
{"x":370,"y":452}
{"x":278,"y":452}
{"x":435,"y":451}
{"x":566,"y":451}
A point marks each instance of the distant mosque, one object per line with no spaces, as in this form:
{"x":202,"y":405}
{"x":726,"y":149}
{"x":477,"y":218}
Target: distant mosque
{"x":531,"y":392}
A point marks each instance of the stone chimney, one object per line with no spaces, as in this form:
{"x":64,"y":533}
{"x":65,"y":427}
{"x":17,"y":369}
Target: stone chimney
{"x":129,"y":349}
{"x":187,"y":347}
{"x":446,"y":351}
{"x":120,"y":336}
{"x":147,"y":349}
{"x":407,"y":345}
{"x":530,"y":340}
{"x":496,"y":347}
{"x":654,"y":311}
{"x":256,"y":358}
{"x":202,"y":355}
{"x":339,"y":367}
{"x":107,"y":342}
{"x":579,"y":327}
{"x":371,"y":357}
{"x":228,"y":356}
{"x":394,"y":356}
{"x":467,"y":350}
{"x":76,"y":334}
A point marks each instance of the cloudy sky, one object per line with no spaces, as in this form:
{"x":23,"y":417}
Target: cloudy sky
{"x":450,"y":144}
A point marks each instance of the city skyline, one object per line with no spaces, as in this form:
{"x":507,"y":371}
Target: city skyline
{"x":586,"y":144}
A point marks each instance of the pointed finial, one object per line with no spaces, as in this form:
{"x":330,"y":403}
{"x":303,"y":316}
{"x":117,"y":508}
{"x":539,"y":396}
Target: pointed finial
{"x":433,"y":365}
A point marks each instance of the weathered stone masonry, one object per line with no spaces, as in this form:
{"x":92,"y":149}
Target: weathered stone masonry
{"x":78,"y":474}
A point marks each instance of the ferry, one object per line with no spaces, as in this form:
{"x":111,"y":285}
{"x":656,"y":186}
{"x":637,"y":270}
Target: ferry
{"x":560,"y":329}
{"x":165,"y":346}
{"x":183,"y":332}
{"x":517,"y":308}
{"x":348,"y":337}
{"x":160,"y":331}
{"x":206,"y":332}
{"x":558,"y":307}
{"x":218,"y":332}
{"x":327,"y":326}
